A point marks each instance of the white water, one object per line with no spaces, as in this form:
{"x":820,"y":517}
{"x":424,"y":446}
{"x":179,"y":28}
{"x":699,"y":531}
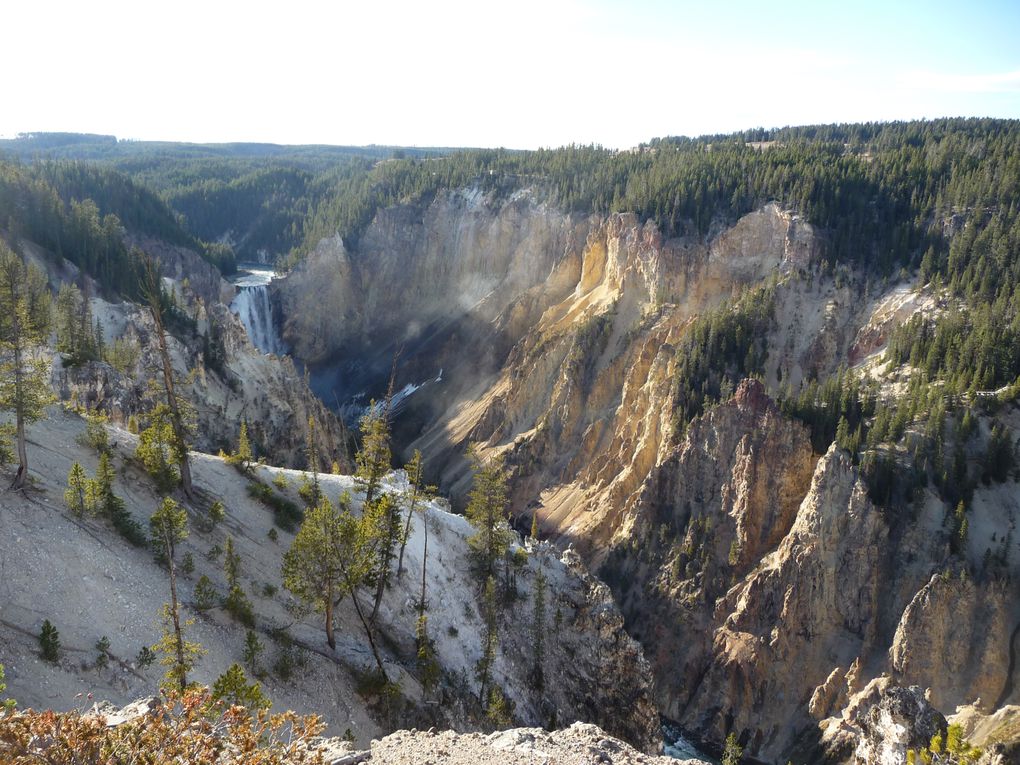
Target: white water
{"x":679,"y":748}
{"x":253,"y":308}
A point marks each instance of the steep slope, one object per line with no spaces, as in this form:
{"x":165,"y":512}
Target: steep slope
{"x":89,"y":582}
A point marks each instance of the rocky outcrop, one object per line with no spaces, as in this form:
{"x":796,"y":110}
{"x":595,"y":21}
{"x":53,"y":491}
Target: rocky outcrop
{"x":954,"y":638}
{"x":236,"y":382}
{"x":891,"y":720}
{"x":579,"y":744}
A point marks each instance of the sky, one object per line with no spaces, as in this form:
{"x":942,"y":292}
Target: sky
{"x":518,"y":74}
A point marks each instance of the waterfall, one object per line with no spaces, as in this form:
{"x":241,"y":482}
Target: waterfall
{"x":254,"y":309}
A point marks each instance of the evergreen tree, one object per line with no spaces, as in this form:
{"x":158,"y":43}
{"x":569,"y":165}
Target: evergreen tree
{"x":372,"y":461}
{"x":49,"y":642}
{"x":205,"y":593}
{"x":243,"y":456}
{"x":6,"y":705}
{"x":487,"y":513}
{"x":232,"y":687}
{"x":236,"y":603}
{"x":253,"y":649}
{"x":24,"y":326}
{"x":732,"y":750}
{"x":312,"y":449}
{"x":176,"y":653}
{"x":419,"y":496}
{"x":382,"y":518}
{"x":168,"y":527}
{"x":490,"y":640}
{"x":538,"y":627}
{"x":177,"y":417}
{"x":330,"y":558}
{"x":157,"y":449}
{"x":428,"y":665}
{"x":78,"y":497}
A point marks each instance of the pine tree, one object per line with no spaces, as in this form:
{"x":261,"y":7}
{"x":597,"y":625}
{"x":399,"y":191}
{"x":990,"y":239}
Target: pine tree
{"x":232,"y":687}
{"x":157,"y":449}
{"x":490,"y":639}
{"x":419,"y":497}
{"x":152,"y":287}
{"x":205,"y":593}
{"x":6,"y":705}
{"x":168,"y":527}
{"x":176,"y":653}
{"x":24,"y":326}
{"x":428,"y":666}
{"x":382,"y":518}
{"x":253,"y":649}
{"x":236,"y":603}
{"x":243,"y":456}
{"x":331,"y":557}
{"x":372,"y":461}
{"x":312,"y":449}
{"x":538,"y":627}
{"x":732,"y":751}
{"x":486,"y":511}
{"x":49,"y":642}
{"x":534,"y":526}
{"x":78,"y":497}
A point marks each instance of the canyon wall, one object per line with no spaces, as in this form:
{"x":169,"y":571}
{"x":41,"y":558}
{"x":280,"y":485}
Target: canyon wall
{"x":764,"y":585}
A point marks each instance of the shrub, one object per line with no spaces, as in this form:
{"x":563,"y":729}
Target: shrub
{"x":49,"y":642}
{"x":205,"y":593}
{"x":181,"y":728}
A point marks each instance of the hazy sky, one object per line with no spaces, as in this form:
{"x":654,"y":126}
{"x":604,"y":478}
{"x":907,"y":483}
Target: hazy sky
{"x":522,"y":73}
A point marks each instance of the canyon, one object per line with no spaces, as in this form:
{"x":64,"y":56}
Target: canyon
{"x":736,"y":551}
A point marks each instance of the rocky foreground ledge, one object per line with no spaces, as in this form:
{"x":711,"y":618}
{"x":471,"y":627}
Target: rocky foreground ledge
{"x":580,"y":744}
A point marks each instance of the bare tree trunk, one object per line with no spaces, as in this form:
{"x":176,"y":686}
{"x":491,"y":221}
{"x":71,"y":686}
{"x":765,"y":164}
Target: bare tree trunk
{"x":365,"y":624}
{"x":424,"y":561}
{"x":175,"y":614}
{"x":154,"y":296}
{"x":329,"y":623}
{"x":19,"y":383}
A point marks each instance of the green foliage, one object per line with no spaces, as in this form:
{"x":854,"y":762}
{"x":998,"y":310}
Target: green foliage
{"x":232,"y":687}
{"x":236,"y":602}
{"x":951,"y":749}
{"x":373,"y":459}
{"x":490,"y":640}
{"x":49,"y":642}
{"x":123,"y":354}
{"x":719,"y":350}
{"x":329,"y":558}
{"x":242,"y":457}
{"x":145,"y":657}
{"x":95,"y":435}
{"x":24,"y":326}
{"x":78,"y":497}
{"x":168,"y":526}
{"x":215,"y":515}
{"x":487,"y":513}
{"x":253,"y":648}
{"x":157,"y":449}
{"x":79,"y":337}
{"x":428,"y":665}
{"x":176,"y":653}
{"x":205,"y":593}
{"x":732,"y":750}
{"x":6,"y":705}
{"x":187,"y":565}
{"x":286,"y":514}
{"x":538,"y":630}
{"x":102,"y":653}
